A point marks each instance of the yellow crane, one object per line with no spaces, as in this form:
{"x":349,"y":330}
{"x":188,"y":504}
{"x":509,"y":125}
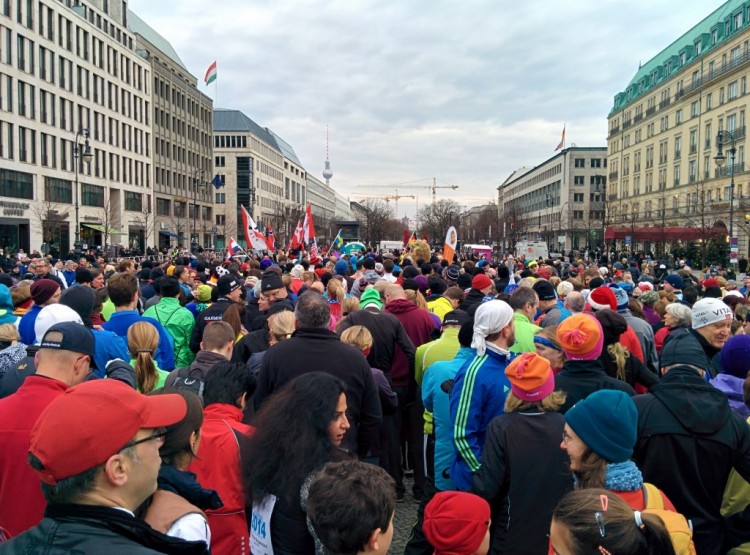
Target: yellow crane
{"x":433,"y":188}
{"x":389,"y":198}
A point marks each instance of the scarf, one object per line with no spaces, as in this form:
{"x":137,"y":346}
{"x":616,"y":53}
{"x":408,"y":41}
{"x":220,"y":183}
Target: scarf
{"x":624,"y":476}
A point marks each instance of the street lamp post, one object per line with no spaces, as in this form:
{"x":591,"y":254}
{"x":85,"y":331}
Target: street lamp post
{"x":86,"y":156}
{"x":196,"y":174}
{"x":720,"y":159}
{"x":601,"y":194}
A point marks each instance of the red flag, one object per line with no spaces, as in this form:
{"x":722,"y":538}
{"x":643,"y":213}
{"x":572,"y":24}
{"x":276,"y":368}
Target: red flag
{"x":270,"y":239}
{"x":562,"y":141}
{"x":314,"y":257}
{"x":308,"y":225}
{"x":407,"y":234}
{"x":424,"y":237}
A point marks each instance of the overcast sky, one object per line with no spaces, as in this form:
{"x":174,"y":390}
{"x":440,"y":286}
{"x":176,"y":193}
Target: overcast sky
{"x":463,"y":91}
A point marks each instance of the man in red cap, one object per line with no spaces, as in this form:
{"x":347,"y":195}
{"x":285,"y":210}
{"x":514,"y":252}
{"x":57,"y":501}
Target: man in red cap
{"x":60,"y":364}
{"x":481,"y":285}
{"x":96,"y":450}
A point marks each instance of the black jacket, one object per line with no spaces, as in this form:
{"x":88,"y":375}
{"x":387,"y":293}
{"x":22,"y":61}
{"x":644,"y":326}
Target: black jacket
{"x":316,"y":349}
{"x":580,"y":378}
{"x":635,"y":370}
{"x":387,"y":332}
{"x":254,"y":342}
{"x":688,"y":442}
{"x":712,"y":353}
{"x":212,"y":314}
{"x":472,"y":299}
{"x":524,"y":474}
{"x":76,"y":529}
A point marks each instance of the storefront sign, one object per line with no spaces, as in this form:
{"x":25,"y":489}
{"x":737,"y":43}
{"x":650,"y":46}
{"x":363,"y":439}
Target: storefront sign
{"x":13,"y":208}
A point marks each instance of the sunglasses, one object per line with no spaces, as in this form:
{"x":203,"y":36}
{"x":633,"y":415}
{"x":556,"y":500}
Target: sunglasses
{"x":158,"y":436}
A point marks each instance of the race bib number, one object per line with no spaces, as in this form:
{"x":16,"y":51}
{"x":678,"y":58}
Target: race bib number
{"x":260,"y":527}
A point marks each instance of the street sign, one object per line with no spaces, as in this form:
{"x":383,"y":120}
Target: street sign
{"x":733,"y":257}
{"x":734,"y":244}
{"x":628,"y":240}
{"x":214,"y":230}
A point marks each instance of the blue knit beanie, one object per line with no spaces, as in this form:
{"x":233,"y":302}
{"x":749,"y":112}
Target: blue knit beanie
{"x":341,"y":267}
{"x":607,"y":422}
{"x":621,"y":296}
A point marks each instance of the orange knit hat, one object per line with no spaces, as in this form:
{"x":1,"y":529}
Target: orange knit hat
{"x":581,"y":337}
{"x":531,"y":377}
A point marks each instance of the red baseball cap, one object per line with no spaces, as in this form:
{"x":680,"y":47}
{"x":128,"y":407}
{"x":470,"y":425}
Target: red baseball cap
{"x":94,"y":420}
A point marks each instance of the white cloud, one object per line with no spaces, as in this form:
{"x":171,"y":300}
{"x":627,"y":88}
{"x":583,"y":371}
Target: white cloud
{"x":465,"y":92}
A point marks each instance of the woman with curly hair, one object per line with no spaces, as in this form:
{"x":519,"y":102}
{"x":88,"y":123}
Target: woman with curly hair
{"x":298,"y":430}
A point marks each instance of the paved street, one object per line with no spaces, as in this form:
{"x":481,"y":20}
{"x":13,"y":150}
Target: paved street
{"x":406,"y":514}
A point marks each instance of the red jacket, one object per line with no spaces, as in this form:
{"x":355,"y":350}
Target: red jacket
{"x":217,"y":467}
{"x":21,"y":501}
{"x":419,"y":326}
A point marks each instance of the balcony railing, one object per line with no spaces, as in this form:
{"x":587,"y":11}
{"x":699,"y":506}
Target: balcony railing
{"x":613,"y":175}
{"x":650,"y":111}
{"x":724,"y":171}
{"x":664,"y":103}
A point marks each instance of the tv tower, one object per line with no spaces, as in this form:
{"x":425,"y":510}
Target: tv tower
{"x":327,"y":173}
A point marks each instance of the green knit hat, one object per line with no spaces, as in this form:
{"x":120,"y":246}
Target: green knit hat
{"x":370,"y":296}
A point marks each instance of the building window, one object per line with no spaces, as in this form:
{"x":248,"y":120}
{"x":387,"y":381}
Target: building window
{"x":578,"y":214}
{"x":16,"y":184}
{"x":58,"y":190}
{"x":596,"y":163}
{"x":580,"y":162}
{"x":578,"y":197}
{"x":221,"y":198}
{"x":179,"y":209}
{"x":732,"y":90}
{"x":162,"y":206}
{"x":220,"y":161}
{"x":92,"y":195}
{"x":133,"y":201}
{"x":578,"y":180}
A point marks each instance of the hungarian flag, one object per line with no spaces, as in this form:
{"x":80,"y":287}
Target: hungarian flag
{"x":308,"y":225}
{"x":270,"y":239}
{"x":297,"y":236}
{"x":210,"y":74}
{"x":253,"y":238}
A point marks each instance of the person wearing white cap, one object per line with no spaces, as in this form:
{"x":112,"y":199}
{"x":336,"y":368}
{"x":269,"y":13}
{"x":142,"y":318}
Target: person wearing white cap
{"x":480,"y":388}
{"x":712,"y":321}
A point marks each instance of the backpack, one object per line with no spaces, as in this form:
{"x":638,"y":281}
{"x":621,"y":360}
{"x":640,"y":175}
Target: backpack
{"x":679,"y":528}
{"x":184,"y":381}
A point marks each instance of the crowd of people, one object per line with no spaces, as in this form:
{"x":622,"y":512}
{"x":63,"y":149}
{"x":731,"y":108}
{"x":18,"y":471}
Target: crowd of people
{"x":274,"y":404}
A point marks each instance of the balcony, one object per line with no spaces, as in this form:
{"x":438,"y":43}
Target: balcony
{"x":650,"y":111}
{"x":676,"y":181}
{"x":727,"y":170}
{"x":626,"y":123}
{"x":613,"y":175}
{"x":614,"y":130}
{"x":637,"y":118}
{"x":664,"y":103}
{"x":677,"y":154}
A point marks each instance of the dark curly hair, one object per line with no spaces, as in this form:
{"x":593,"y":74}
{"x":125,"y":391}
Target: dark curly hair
{"x":291,"y":438}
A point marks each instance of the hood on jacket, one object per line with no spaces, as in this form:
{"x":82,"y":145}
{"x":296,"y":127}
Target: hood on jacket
{"x":698,"y":406}
{"x":400,"y":306}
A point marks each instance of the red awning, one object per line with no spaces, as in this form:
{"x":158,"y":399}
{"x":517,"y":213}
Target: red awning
{"x":662,"y":233}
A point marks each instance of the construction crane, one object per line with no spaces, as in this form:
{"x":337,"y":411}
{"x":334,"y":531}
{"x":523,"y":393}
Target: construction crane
{"x":389,"y":198}
{"x":433,"y":188}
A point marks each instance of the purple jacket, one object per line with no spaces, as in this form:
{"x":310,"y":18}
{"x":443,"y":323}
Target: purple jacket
{"x":732,"y":388}
{"x":652,"y":317}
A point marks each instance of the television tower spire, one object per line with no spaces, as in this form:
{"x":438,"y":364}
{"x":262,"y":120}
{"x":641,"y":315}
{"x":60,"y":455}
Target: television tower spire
{"x":327,"y":173}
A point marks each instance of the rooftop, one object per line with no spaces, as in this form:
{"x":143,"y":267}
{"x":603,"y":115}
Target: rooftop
{"x":719,"y":26}
{"x":228,"y":121}
{"x":286,"y":149}
{"x":140,"y":27}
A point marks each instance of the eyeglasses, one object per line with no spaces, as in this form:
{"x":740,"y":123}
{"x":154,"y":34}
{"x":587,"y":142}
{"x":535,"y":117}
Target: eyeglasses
{"x":566,"y":437}
{"x":157,"y":436}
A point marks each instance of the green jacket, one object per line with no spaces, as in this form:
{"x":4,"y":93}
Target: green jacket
{"x":179,"y":322}
{"x":525,"y":332}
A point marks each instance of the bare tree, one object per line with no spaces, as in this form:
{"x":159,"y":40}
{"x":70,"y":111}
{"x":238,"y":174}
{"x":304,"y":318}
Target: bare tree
{"x":378,"y":216}
{"x":110,"y":219}
{"x":515,"y":224}
{"x":435,"y":219}
{"x":486,"y":224}
{"x":50,"y":219}
{"x":145,"y":219}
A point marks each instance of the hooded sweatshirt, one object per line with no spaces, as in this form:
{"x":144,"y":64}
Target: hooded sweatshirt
{"x":688,"y":442}
{"x":419,"y":326}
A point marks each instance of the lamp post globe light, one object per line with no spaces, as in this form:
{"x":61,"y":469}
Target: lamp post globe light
{"x":720,"y":159}
{"x":85,"y":155}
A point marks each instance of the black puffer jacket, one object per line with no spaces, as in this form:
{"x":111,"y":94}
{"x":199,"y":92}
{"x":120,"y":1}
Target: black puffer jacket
{"x":75,"y":529}
{"x":580,"y":378}
{"x":688,"y":442}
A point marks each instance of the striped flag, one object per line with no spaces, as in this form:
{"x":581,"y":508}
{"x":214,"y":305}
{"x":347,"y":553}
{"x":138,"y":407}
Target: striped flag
{"x":210,"y":74}
{"x":253,"y":237}
{"x":314,"y":256}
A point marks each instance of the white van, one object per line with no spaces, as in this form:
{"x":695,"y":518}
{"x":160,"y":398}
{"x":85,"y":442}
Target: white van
{"x":390,"y":245}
